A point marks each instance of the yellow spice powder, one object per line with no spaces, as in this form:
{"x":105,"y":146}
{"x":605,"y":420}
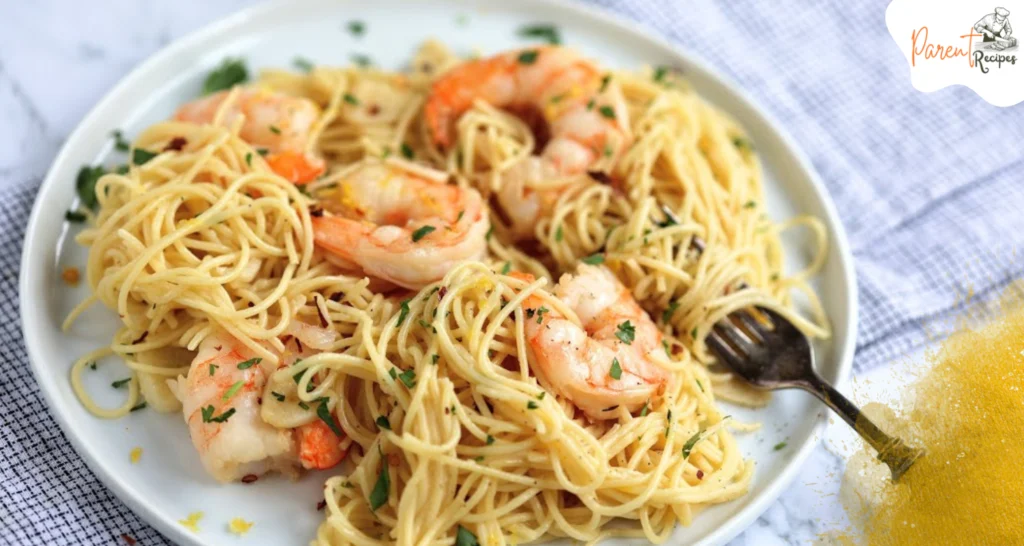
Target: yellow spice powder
{"x":967,"y":411}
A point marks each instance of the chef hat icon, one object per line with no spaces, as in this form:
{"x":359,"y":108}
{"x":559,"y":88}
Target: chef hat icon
{"x":1002,"y":12}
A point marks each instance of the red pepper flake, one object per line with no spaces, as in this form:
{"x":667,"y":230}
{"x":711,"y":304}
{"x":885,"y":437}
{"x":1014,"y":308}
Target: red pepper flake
{"x":316,"y":211}
{"x":393,"y":459}
{"x":601,"y":177}
{"x":128,"y":539}
{"x":321,"y":505}
{"x":176,"y":144}
{"x":141,"y":338}
{"x":441,"y":293}
{"x":249,"y":478}
{"x":700,"y":474}
{"x":71,"y":276}
{"x":373,"y":109}
{"x":325,"y":321}
{"x":298,"y":344}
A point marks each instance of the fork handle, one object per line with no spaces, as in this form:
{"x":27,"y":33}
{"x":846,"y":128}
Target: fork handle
{"x":891,"y":451}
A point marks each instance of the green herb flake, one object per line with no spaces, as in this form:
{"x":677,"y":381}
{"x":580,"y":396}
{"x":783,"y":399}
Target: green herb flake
{"x":546,"y":32}
{"x":222,"y":418}
{"x":489,"y":233}
{"x":531,"y":405}
{"x":280,"y":397}
{"x":607,"y":111}
{"x":230,"y":73}
{"x":74,"y":216}
{"x":357,"y":28}
{"x":381,"y":489}
{"x":490,"y":439}
{"x":351,"y":99}
{"x":434,"y":359}
{"x":668,"y":420}
{"x":743,"y":144}
{"x":479,"y":458}
{"x":464,"y":537}
{"x":459,"y":217}
{"x":542,"y":395}
{"x":506,"y":268}
{"x":141,"y":157}
{"x":407,"y":151}
{"x":659,"y":73}
{"x":140,"y":405}
{"x":750,"y":204}
{"x":540,"y":314}
{"x":645,"y":410}
{"x":626,"y":333}
{"x":666,"y":315}
{"x":590,"y":104}
{"x":248,"y":159}
{"x":528,"y":57}
{"x":92,"y":365}
{"x":699,"y":385}
{"x":780,"y":446}
{"x":324,"y":413}
{"x":616,"y":371}
{"x":558,"y":233}
{"x":362,"y":61}
{"x":594,"y":259}
{"x":404,"y":312}
{"x":693,"y":333}
{"x":302,"y":64}
{"x":688,"y":446}
{"x":120,"y":382}
{"x":604,"y":82}
{"x":120,"y":143}
{"x":85,"y":184}
{"x":232,"y":390}
{"x":245,"y":365}
{"x":213,"y":368}
{"x":408,"y":377}
{"x":122,"y":169}
{"x":422,"y":232}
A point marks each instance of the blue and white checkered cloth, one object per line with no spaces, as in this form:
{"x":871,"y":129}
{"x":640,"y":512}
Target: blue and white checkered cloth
{"x":927,"y":186}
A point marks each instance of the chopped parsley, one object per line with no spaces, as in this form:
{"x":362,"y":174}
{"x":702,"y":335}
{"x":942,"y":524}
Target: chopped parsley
{"x":699,"y":385}
{"x":141,"y":157}
{"x":92,"y":365}
{"x":278,"y":396}
{"x":74,"y":216}
{"x":302,"y":64}
{"x":361,"y":60}
{"x":351,"y":99}
{"x":546,"y":32}
{"x":542,"y":395}
{"x":357,"y":28}
{"x":693,"y":333}
{"x":213,"y":368}
{"x":506,"y":268}
{"x":324,"y":413}
{"x":275,"y":130}
{"x":248,"y":158}
{"x":668,"y":419}
{"x":645,"y":410}
{"x":669,"y":311}
{"x":743,"y":144}
{"x":531,"y":405}
{"x":479,"y":458}
{"x":245,"y":365}
{"x":459,"y":217}
{"x":208,"y":417}
{"x":616,"y":371}
{"x":780,"y":446}
{"x":750,"y":204}
{"x":422,"y":232}
{"x":529,"y":56}
{"x":120,"y":143}
{"x":490,"y":439}
{"x":540,"y":314}
{"x":408,"y":377}
{"x":626,"y":333}
{"x":303,"y":405}
{"x":120,"y":382}
{"x":404,"y":313}
{"x":230,"y":73}
{"x":590,"y":104}
{"x":607,"y":111}
{"x":489,"y":233}
{"x":232,"y":390}
{"x":465,"y":537}
{"x":407,"y":151}
{"x":594,"y":259}
{"x":688,"y":446}
{"x":435,"y":358}
{"x":558,"y":233}
{"x":137,"y":407}
{"x":85,"y":183}
{"x":604,"y":82}
{"x":659,"y":73}
{"x":381,"y":489}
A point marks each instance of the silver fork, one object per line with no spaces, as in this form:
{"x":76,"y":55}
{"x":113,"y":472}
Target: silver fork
{"x":770,"y":353}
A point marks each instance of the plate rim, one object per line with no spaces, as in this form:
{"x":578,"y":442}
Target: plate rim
{"x":731,"y":527}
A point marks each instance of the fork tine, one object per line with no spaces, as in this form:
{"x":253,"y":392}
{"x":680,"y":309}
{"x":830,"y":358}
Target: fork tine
{"x":750,"y":325}
{"x":735,"y":337}
{"x":723,"y":350}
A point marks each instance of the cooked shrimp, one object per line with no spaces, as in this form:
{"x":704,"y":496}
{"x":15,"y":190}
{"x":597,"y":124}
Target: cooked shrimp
{"x":398,"y":226}
{"x":221,"y":404}
{"x":580,"y":363}
{"x":276,"y":122}
{"x":585,"y":111}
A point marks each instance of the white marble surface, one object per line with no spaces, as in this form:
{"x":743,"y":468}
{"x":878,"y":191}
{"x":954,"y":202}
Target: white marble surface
{"x":56,"y":62}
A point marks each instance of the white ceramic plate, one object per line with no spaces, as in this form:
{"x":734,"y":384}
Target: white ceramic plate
{"x":169,"y":483}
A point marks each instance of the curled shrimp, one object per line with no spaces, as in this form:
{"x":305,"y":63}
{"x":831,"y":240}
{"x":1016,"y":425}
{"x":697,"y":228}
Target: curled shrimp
{"x":276,"y":122}
{"x":398,"y":226}
{"x":608,"y":361}
{"x":586,"y":114}
{"x":221,"y":401}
